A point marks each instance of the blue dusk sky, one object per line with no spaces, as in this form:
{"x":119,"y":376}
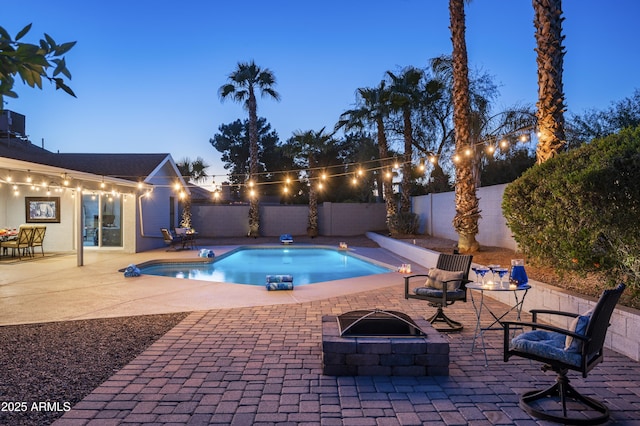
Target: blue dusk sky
{"x":147,"y":73}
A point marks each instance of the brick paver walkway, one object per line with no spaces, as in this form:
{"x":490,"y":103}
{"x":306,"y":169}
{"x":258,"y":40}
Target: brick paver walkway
{"x":262,"y":366}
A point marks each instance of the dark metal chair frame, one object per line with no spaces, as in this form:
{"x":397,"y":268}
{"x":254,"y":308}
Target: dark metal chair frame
{"x":451,"y":263}
{"x":591,"y":355}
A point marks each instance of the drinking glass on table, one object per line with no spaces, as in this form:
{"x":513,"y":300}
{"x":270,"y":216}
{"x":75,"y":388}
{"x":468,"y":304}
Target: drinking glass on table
{"x":493,"y":268}
{"x":501,"y":273}
{"x":482,"y":271}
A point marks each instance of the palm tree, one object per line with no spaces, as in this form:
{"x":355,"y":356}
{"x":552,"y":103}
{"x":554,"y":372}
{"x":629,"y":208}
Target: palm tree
{"x":467,"y":214}
{"x":374,"y":108}
{"x":306,"y":146}
{"x":405,"y":94}
{"x":191,"y":171}
{"x":548,"y":23}
{"x":242,"y":86}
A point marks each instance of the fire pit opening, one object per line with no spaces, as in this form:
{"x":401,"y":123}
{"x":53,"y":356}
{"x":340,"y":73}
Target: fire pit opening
{"x":377,"y":323}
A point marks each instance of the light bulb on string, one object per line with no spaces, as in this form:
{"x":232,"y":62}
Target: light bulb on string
{"x":421,"y":166}
{"x":504,"y":143}
{"x":388,"y":174}
{"x":354,"y":180}
{"x":491,"y":149}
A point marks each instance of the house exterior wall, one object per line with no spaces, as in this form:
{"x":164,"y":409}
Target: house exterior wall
{"x":59,"y":236}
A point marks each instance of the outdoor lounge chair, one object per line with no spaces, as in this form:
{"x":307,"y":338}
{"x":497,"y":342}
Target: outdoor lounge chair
{"x":22,"y":242}
{"x":172,"y":240}
{"x":445,"y":284}
{"x":580,"y":348}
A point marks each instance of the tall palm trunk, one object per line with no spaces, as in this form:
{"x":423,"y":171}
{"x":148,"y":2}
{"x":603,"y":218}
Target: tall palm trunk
{"x":387,"y":187}
{"x":405,"y":195}
{"x":312,"y":227}
{"x":467,"y":214}
{"x":254,"y":208}
{"x":548,"y":23}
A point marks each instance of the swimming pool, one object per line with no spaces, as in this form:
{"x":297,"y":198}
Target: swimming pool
{"x":251,"y":265}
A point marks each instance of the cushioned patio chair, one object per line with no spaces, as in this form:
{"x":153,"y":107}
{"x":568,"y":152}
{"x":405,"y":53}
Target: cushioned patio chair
{"x":22,"y":242}
{"x":579,"y":348}
{"x":444,"y":285}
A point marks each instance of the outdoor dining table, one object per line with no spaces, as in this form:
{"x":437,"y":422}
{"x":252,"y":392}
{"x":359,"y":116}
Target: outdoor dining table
{"x":7,"y":236}
{"x":480,"y":306}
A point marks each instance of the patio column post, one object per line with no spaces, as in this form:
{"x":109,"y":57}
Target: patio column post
{"x":79,"y":228}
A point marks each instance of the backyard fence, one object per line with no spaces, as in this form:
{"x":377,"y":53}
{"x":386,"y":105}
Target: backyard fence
{"x":435,"y":211}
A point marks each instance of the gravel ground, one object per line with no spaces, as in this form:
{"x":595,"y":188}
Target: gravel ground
{"x":60,"y":363}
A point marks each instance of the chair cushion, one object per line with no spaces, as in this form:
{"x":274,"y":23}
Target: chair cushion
{"x":547,"y":344}
{"x":438,"y":277}
{"x":456,"y":294}
{"x":579,"y":326}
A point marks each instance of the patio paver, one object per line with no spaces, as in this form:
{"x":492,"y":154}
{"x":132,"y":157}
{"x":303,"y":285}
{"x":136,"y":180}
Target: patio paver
{"x":261,"y":365}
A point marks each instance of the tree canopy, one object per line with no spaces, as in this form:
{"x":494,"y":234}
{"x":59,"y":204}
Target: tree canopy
{"x":32,"y":62}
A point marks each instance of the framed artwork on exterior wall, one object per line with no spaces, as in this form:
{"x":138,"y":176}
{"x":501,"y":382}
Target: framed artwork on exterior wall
{"x":42,"y":209}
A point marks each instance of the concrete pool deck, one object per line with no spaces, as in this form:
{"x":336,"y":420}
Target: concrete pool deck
{"x":55,"y":289}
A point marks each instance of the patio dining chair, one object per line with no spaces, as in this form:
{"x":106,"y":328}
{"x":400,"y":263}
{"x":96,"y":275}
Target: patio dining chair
{"x":578,"y":348}
{"x":22,"y":242}
{"x":443,"y":286}
{"x":38,"y":238}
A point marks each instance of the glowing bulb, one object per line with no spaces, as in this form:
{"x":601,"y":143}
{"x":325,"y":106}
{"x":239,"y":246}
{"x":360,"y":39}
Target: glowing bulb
{"x":523,"y":138}
{"x":102,"y":185}
{"x":504,"y":143}
{"x":432,"y":159}
{"x":251,"y":184}
{"x":491,"y":149}
{"x":29,"y":179}
{"x":456,"y":158}
{"x":354,"y":181}
{"x":396,"y":165}
{"x":324,"y":176}
{"x":467,"y":152}
{"x":285,"y":189}
{"x":320,"y":185}
{"x":252,"y":193}
{"x":360,"y":172}
{"x":388,"y":174}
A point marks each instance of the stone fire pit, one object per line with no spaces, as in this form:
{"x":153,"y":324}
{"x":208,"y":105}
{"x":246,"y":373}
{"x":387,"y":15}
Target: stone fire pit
{"x":382,"y":343}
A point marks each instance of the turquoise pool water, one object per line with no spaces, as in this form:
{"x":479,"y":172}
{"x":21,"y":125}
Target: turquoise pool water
{"x":252,"y":265}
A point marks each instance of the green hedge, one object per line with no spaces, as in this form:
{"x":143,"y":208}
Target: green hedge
{"x":580,"y":211}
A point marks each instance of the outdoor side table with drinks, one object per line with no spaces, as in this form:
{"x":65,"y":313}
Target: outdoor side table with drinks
{"x":517,"y":283}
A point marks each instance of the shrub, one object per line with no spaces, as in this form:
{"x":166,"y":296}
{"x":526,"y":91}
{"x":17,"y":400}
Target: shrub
{"x":579,"y":211}
{"x":405,"y":223}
